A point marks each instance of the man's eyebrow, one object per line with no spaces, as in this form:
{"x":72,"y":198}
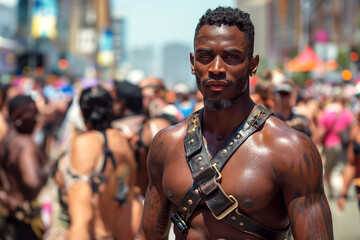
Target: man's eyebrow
{"x":233,"y":50}
{"x":203,"y":50}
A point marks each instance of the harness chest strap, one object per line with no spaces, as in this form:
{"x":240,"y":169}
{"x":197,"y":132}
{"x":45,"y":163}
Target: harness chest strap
{"x":207,"y":177}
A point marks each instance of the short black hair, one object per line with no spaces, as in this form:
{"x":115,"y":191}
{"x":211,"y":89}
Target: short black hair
{"x":96,"y":104}
{"x":131,"y":94}
{"x":19,"y":102}
{"x":230,"y":17}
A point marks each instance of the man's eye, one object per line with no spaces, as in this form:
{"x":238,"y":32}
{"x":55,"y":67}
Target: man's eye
{"x":230,"y":56}
{"x":204,"y":56}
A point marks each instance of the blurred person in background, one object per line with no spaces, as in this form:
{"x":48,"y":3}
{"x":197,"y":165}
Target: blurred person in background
{"x":101,"y":174}
{"x":351,"y":173}
{"x":154,"y":102}
{"x":263,"y":91}
{"x":3,"y":114}
{"x":24,"y":171}
{"x":128,"y":108}
{"x":308,"y":106}
{"x":284,"y":94}
{"x":184,"y":100}
{"x":53,"y":104}
{"x":72,"y":126}
{"x":333,"y":120}
{"x":199,"y":101}
{"x":139,"y":128}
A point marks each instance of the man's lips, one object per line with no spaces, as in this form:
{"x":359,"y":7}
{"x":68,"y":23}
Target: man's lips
{"x":217,"y":85}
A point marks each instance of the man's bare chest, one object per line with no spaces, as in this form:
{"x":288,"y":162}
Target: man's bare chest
{"x":245,"y":176}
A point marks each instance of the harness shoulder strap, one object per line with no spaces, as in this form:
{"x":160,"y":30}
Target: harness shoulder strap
{"x":207,"y":177}
{"x":107,"y":153}
{"x":97,"y":179}
{"x":121,"y":188}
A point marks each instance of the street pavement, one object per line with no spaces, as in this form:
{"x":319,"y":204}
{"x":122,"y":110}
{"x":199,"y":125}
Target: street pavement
{"x":346,"y":223}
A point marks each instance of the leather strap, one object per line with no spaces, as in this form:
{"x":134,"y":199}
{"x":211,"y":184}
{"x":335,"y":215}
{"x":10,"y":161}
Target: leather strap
{"x":207,"y":177}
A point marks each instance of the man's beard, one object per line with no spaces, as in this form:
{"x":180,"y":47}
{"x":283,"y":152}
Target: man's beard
{"x":219,"y":104}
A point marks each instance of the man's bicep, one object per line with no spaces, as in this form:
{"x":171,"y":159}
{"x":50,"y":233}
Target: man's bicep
{"x":156,"y":216}
{"x":310,"y":217}
{"x":304,"y":197}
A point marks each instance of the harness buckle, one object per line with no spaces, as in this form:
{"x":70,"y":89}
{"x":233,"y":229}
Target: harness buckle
{"x":180,"y":224}
{"x":217,"y":172}
{"x":227,"y":211}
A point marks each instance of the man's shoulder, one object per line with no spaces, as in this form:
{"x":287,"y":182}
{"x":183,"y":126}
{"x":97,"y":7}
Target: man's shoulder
{"x":174,"y":132}
{"x":280,"y":134}
{"x":287,"y":144}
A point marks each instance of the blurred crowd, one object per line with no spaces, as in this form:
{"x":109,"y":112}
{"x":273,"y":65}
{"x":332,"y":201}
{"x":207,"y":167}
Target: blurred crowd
{"x":52,"y":157}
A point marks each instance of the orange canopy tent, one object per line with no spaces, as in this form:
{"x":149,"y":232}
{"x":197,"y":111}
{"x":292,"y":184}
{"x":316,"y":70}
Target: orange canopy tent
{"x":306,"y":61}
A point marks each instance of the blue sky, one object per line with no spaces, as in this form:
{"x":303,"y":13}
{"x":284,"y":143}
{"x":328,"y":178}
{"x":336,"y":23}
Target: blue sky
{"x":155,"y":22}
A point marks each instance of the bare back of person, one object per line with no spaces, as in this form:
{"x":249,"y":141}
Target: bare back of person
{"x":109,"y":218}
{"x":19,"y":168}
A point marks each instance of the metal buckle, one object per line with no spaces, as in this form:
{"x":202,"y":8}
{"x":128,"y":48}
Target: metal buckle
{"x":227,"y":211}
{"x":177,"y":220}
{"x":217,"y":172}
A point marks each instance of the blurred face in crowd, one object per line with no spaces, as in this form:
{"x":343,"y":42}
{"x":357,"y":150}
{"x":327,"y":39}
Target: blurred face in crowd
{"x":149,"y":94}
{"x":282,"y":98}
{"x":151,"y":88}
{"x":222,"y":65}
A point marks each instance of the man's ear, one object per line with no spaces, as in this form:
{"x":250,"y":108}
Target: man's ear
{"x":192,"y":62}
{"x":253,"y":66}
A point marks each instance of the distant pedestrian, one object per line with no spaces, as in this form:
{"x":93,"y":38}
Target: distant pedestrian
{"x":100,"y":175}
{"x":24,"y":171}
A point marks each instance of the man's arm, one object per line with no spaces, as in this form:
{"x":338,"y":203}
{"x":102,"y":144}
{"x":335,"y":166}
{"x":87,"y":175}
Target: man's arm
{"x":302,"y":187}
{"x":155,"y":221}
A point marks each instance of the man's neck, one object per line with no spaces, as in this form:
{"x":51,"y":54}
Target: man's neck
{"x":221,"y":124}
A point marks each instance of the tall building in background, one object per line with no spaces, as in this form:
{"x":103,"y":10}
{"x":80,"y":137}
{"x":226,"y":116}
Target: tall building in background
{"x":8,"y":28}
{"x":82,"y":36}
{"x":118,"y":29}
{"x":176,"y":64}
{"x":118,"y":32}
{"x":277,"y":27}
{"x":284,"y":27}
{"x":259,"y":14}
{"x":142,"y":58}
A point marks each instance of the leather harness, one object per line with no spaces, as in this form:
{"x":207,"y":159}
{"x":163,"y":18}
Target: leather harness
{"x":207,"y":176}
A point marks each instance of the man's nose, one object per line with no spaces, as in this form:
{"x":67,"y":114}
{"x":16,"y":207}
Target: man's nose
{"x":217,"y":66}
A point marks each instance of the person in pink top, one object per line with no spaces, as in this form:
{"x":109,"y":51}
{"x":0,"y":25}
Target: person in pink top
{"x":334,"y":119}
